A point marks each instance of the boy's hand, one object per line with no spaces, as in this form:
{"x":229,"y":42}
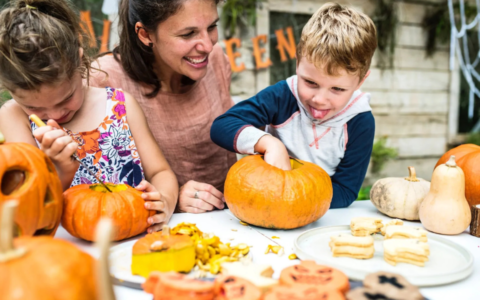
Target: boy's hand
{"x":274,"y":152}
{"x":57,"y":145}
{"x":153,"y":201}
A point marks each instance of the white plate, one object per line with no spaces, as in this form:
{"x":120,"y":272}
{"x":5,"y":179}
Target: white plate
{"x":120,"y":263}
{"x":448,"y":261}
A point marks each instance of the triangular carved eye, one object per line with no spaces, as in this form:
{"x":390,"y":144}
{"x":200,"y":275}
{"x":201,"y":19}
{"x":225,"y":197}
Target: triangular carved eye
{"x":48,"y":197}
{"x":12,"y":181}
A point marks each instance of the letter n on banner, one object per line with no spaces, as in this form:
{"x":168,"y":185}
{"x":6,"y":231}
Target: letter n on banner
{"x":232,"y":55}
{"x":87,"y":26}
{"x":283,"y":44}
{"x":257,"y":52}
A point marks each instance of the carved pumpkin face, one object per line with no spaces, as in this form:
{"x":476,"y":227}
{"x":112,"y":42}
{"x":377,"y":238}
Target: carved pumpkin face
{"x":297,"y":292}
{"x":231,"y":287}
{"x":28,"y":176}
{"x":311,"y":274}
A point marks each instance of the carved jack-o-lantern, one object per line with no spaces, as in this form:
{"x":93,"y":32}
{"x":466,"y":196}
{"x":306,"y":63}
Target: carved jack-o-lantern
{"x":230,"y":287}
{"x":309,"y":273}
{"x":28,"y":176}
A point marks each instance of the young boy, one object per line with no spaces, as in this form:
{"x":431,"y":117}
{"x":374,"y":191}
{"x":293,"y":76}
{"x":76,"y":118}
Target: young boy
{"x":318,"y":115}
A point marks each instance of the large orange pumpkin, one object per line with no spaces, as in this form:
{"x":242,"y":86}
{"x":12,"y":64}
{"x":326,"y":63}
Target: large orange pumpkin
{"x":86,"y":204}
{"x":42,"y":267}
{"x":28,"y":176}
{"x":467,"y":157}
{"x":266,"y":196}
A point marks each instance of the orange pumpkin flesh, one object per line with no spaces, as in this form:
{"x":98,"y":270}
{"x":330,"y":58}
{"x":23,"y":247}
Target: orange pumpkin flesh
{"x":308,"y":273}
{"x":86,"y":204}
{"x":44,"y":268}
{"x":28,"y":176}
{"x":266,"y":196}
{"x":467,"y":157}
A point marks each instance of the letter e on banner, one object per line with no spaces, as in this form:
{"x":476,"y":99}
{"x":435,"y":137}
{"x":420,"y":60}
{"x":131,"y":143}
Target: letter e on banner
{"x":232,"y":55}
{"x":257,"y":52}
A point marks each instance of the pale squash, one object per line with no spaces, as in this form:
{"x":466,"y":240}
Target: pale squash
{"x":445,"y":209}
{"x":400,"y":197}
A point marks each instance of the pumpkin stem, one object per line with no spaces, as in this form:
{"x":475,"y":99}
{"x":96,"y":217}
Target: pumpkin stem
{"x":103,"y":237}
{"x":412,"y":175}
{"x":2,"y":138}
{"x":451,"y":162}
{"x":7,"y":221}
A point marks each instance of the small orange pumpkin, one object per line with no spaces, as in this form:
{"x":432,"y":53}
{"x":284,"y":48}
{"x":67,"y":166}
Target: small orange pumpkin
{"x":467,"y":157}
{"x":42,"y":267}
{"x":266,"y":196}
{"x":28,"y":176}
{"x":308,"y":273}
{"x":86,"y":204}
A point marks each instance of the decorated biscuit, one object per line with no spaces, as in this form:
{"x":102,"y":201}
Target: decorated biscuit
{"x":405,"y":232}
{"x":171,"y":285}
{"x":299,"y":292}
{"x":410,"y":251}
{"x":390,"y":223}
{"x":259,"y":275}
{"x":362,"y":226}
{"x":360,"y":247}
{"x":229,"y":287}
{"x":308,"y":273}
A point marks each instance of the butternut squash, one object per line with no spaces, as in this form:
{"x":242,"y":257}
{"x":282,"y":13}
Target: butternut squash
{"x":445,"y":209}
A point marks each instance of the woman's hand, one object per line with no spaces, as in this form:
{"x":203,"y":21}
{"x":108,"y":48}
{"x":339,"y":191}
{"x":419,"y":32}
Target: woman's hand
{"x":153,"y":201}
{"x":196,"y":197}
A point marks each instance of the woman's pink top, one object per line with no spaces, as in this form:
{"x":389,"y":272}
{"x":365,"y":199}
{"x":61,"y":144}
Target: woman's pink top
{"x":181,"y":123}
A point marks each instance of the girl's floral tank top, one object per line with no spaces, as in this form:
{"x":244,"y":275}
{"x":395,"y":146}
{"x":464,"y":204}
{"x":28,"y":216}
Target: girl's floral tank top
{"x":109,"y":150}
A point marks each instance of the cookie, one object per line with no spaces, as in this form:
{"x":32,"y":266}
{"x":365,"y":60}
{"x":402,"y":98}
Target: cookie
{"x":308,"y":273}
{"x":390,"y":223}
{"x":410,"y":251}
{"x":299,"y":292}
{"x":228,"y":287}
{"x":171,"y":285}
{"x":360,"y":247}
{"x":405,"y":232}
{"x":392,"y":286}
{"x":259,"y":275}
{"x":361,"y":226}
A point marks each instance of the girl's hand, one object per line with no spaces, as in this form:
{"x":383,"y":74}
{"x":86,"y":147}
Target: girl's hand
{"x":153,"y":201}
{"x":196,"y":197}
{"x":57,"y":145}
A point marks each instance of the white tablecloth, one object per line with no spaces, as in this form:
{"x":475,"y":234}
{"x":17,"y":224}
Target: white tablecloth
{"x":221,"y":224}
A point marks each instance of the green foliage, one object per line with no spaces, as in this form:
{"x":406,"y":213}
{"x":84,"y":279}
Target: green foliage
{"x":473,"y":138}
{"x":364,"y":193}
{"x":236,"y":12}
{"x":381,"y":154}
{"x":4,"y":96}
{"x":386,"y":21}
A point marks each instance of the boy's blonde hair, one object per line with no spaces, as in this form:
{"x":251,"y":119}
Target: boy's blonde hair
{"x":337,"y":37}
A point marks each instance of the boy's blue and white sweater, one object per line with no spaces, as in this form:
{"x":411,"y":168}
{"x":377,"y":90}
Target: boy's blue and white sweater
{"x":341,"y":145}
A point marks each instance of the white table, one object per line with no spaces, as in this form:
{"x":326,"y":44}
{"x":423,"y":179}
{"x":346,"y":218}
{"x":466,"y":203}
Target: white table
{"x":221,"y":224}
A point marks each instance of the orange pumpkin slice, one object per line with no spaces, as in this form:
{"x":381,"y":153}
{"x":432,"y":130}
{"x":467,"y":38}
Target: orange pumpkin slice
{"x":300,"y":292}
{"x":235,"y":288}
{"x":308,"y":273}
{"x":162,"y":252}
{"x":167,"y":286}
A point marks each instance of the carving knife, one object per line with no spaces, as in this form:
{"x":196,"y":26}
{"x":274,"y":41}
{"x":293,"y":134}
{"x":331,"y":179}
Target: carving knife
{"x":35,"y":119}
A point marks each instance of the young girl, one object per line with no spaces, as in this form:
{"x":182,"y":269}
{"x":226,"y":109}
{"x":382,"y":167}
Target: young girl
{"x":43,"y":65}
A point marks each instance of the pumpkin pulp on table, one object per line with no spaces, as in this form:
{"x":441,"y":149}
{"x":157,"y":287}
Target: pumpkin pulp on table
{"x":160,"y":251}
{"x":86,"y":204}
{"x":266,"y":196}
{"x":28,"y":176}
